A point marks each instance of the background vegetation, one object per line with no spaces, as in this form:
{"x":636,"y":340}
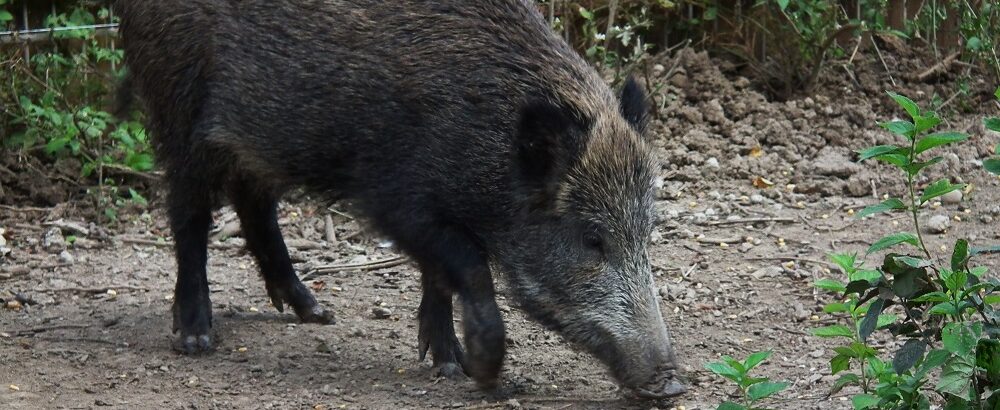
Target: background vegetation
{"x":56,"y":98}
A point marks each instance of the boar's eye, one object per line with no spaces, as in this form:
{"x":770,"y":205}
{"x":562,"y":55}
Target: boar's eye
{"x":592,"y":240}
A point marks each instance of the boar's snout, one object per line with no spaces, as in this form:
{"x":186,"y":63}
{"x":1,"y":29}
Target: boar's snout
{"x":663,"y":385}
{"x":644,"y":360}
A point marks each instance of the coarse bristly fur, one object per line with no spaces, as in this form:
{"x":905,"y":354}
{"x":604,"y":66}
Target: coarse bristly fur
{"x":465,"y":130}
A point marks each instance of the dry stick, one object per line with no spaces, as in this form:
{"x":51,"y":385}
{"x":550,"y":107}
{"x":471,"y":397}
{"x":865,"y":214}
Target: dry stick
{"x":382,"y":264}
{"x":46,"y":329}
{"x":884,"y":65}
{"x":24,"y":209}
{"x":716,"y":241}
{"x":787,"y":258}
{"x":818,"y":64}
{"x":101,"y":289}
{"x":940,"y":66}
{"x":751,"y":220}
{"x":331,"y":234}
{"x":166,"y":244}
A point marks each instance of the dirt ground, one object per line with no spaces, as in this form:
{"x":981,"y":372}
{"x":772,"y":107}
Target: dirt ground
{"x":87,"y":323}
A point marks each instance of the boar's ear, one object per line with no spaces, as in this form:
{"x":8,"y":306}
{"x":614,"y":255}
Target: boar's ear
{"x":547,"y":142}
{"x":634,"y":105}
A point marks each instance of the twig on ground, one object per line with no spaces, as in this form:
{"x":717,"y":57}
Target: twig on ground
{"x":716,"y":241}
{"x":100,"y":289}
{"x":941,"y":66}
{"x":751,"y":220}
{"x":375,"y":265}
{"x":24,"y":208}
{"x":787,"y":258}
{"x":331,"y":234}
{"x":36,"y":330}
{"x":884,"y":65}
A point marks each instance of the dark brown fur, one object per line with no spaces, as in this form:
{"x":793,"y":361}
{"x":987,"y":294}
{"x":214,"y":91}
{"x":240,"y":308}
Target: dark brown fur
{"x":465,"y":130}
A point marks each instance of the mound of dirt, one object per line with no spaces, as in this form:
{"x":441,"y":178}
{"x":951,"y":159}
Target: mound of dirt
{"x":714,"y":127}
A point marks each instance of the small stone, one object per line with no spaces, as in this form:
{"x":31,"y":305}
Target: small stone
{"x":381,"y":312}
{"x":66,"y":257}
{"x":712,"y":164}
{"x":53,"y":241}
{"x":767,"y":272}
{"x":952,"y":197}
{"x":757,"y":198}
{"x":986,"y":219}
{"x":937,"y":224}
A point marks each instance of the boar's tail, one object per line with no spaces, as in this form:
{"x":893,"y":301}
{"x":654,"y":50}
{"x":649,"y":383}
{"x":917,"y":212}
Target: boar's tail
{"x":124,"y":96}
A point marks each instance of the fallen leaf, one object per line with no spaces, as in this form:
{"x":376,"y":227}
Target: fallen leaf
{"x":756,"y":152}
{"x":762,"y":183}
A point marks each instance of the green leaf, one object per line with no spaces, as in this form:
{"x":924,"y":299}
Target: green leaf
{"x":907,"y":104}
{"x":900,"y":127}
{"x":992,"y":123}
{"x":899,"y":160}
{"x":886,"y":320}
{"x":845,"y":261}
{"x":755,"y":359}
{"x":997,"y":93}
{"x":938,"y":139}
{"x":831,"y":285}
{"x":908,"y":355}
{"x":937,"y":189}
{"x":833,"y":331}
{"x":5,"y":16}
{"x":960,"y":256}
{"x":961,"y":338}
{"x":870,"y":320}
{"x":844,"y":381}
{"x":914,"y":262}
{"x":992,"y":165}
{"x":764,"y":390}
{"x":956,"y":376}
{"x":915,"y":167}
{"x":924,"y":123}
{"x":731,"y":406}
{"x":836,"y":308}
{"x":724,"y":370}
{"x":933,"y":360}
{"x":887,"y":205}
{"x":878,"y":150}
{"x":892,"y":240}
{"x":870,"y":275}
{"x":954,"y":281}
{"x":864,"y":401}
{"x":839,"y":363}
{"x":932,"y":297}
{"x":944,"y":308}
{"x":782,"y":4}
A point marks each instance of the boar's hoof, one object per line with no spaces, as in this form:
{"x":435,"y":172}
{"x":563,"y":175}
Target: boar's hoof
{"x":191,"y":344}
{"x":449,"y":370}
{"x":662,"y":389}
{"x":317,"y":314}
{"x":301,"y":300}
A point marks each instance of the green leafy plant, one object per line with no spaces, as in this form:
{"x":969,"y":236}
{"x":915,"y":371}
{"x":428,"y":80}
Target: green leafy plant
{"x":55,"y":103}
{"x":946,"y":320}
{"x":993,"y":124}
{"x":752,"y":389}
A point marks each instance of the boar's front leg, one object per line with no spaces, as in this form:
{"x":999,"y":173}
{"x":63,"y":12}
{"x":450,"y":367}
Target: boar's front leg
{"x":437,"y":331}
{"x":464,"y":268}
{"x":258,"y":212}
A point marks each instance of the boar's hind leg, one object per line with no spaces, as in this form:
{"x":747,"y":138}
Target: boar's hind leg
{"x":190,"y":213}
{"x":464,"y":267}
{"x":437,"y":331}
{"x":258,"y":212}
